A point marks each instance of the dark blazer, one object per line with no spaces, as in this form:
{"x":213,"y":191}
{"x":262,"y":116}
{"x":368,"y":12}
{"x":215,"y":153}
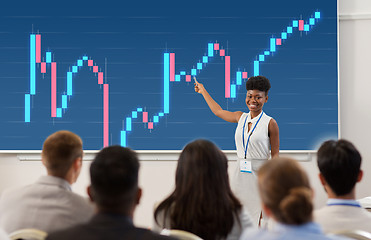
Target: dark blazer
{"x":105,"y":227}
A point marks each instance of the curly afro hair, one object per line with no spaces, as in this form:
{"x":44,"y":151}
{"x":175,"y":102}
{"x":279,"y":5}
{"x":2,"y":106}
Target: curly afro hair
{"x":258,"y":83}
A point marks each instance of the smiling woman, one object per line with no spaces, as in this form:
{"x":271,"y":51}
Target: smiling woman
{"x":256,"y":138}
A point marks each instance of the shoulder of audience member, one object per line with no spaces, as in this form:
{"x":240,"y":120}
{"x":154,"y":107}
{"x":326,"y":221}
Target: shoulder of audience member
{"x":69,"y":233}
{"x":12,"y":190}
{"x":85,"y":232}
{"x":252,"y":234}
{"x":255,"y":233}
{"x":320,"y":211}
{"x":147,"y":234}
{"x":9,"y":194}
{"x":78,"y":199}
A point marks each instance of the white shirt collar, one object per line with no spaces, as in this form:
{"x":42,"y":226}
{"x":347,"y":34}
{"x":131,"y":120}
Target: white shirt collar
{"x":347,"y":202}
{"x":51,"y":180}
{"x":254,"y":119}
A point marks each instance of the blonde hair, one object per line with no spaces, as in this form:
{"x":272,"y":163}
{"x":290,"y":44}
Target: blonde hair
{"x":284,"y":189}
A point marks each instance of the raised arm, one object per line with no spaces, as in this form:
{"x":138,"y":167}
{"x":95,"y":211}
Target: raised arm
{"x":274,"y":137}
{"x":215,"y":107}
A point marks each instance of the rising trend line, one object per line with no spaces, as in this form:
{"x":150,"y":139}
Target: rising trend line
{"x":212,"y":50}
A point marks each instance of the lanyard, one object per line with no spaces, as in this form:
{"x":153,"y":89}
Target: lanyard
{"x":243,"y":133}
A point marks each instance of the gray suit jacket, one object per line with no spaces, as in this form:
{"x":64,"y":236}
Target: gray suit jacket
{"x":48,"y":205}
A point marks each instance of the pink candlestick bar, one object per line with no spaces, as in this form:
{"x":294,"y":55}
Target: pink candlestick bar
{"x":105,"y":114}
{"x":95,"y":69}
{"x":172,"y":67}
{"x":38,"y":48}
{"x":145,"y":117}
{"x":150,"y":125}
{"x":90,"y":63}
{"x":222,"y":52}
{"x":301,"y":25}
{"x":54,"y":89}
{"x":100,"y":78}
{"x":227,"y":76}
{"x":278,"y":41}
{"x":43,"y":67}
{"x":216,"y":46}
{"x":188,"y":78}
{"x":244,"y":75}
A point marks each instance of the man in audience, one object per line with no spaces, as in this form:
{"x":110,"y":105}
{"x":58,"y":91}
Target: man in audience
{"x":49,"y":204}
{"x":339,"y":163}
{"x":114,"y":189}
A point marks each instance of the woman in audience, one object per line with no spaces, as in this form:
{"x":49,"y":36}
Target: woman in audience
{"x":202,"y":202}
{"x":287,"y":198}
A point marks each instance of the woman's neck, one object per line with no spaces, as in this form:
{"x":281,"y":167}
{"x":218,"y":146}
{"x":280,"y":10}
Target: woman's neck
{"x":255,"y":114}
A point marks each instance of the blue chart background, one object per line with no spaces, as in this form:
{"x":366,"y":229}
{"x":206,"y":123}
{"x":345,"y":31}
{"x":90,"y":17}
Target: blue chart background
{"x":128,"y":40}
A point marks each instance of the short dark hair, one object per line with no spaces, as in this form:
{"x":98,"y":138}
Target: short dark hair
{"x":114,"y":178}
{"x":258,"y":83}
{"x":59,"y":152}
{"x":340,"y":163}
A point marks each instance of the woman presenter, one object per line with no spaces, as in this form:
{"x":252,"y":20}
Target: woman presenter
{"x":256,"y":138}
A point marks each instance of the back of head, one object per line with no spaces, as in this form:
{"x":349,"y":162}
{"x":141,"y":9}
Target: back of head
{"x":339,"y":162}
{"x":202,"y":202}
{"x":59,"y":152}
{"x":202,"y":167}
{"x":258,"y":83}
{"x":114,"y":179}
{"x":284,"y":189}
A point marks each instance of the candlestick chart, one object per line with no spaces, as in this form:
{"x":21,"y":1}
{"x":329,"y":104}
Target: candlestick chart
{"x":128,"y":79}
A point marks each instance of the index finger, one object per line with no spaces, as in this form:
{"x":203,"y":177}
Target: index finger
{"x":194,"y":78}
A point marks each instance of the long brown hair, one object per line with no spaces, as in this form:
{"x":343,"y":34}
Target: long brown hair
{"x":202,"y":202}
{"x":284,"y":189}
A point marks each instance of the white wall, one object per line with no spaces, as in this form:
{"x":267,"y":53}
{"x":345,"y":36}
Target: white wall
{"x":355,"y":84}
{"x":157,"y":177}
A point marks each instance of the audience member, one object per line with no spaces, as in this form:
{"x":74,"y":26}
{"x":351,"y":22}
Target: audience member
{"x":287,"y":198}
{"x":49,"y":204}
{"x":202,"y":202}
{"x":114,"y":189}
{"x":339,"y":164}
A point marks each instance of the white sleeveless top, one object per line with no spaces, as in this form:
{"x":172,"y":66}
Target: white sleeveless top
{"x":259,"y":144}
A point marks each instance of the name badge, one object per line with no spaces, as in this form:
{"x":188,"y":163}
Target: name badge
{"x":245,"y":166}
